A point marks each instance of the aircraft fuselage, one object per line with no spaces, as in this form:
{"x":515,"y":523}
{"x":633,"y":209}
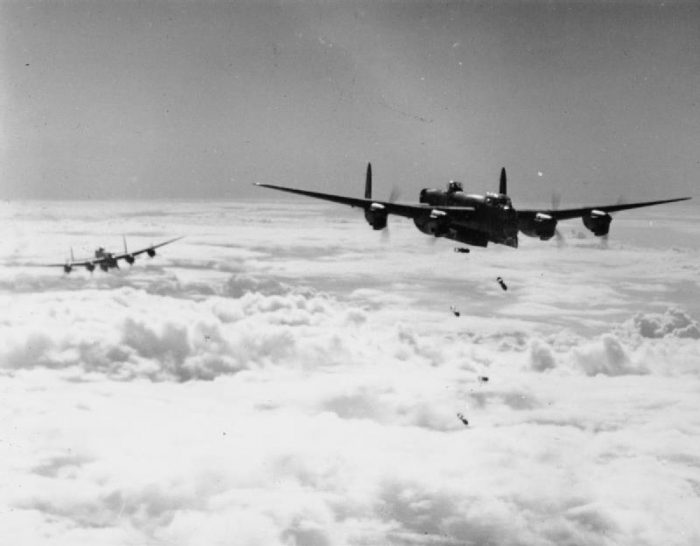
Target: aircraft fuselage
{"x":494,"y":219}
{"x":108,"y":260}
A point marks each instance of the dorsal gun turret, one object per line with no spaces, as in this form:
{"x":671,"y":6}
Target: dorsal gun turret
{"x":453,"y":186}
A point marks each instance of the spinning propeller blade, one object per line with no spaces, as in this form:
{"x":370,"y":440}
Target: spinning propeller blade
{"x":556,"y":200}
{"x":393,"y":197}
{"x":605,"y":238}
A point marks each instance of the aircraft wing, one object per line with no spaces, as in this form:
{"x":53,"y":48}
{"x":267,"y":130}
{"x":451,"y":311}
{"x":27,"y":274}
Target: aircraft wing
{"x":408,"y":210}
{"x":566,"y":214}
{"x":137,"y":252}
{"x":96,"y":261}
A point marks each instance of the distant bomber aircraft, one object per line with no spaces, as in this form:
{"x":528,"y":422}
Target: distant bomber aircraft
{"x":109,"y":260}
{"x":474,"y":219}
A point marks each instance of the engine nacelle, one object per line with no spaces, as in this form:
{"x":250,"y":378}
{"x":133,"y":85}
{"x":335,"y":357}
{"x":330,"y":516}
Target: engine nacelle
{"x":90,"y":267}
{"x":542,"y":225}
{"x":67,"y":268}
{"x":430,"y":196}
{"x":129,"y":259}
{"x":376,"y":216}
{"x":597,"y":221}
{"x":151,"y":252}
{"x":436,"y":223}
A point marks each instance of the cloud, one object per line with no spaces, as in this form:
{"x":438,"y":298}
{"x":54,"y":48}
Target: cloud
{"x":607,"y":356}
{"x":129,"y":333}
{"x":240,"y":284}
{"x":221,"y":391}
{"x":541,"y":356}
{"x":673,"y":322}
{"x":326,"y":441}
{"x":628,"y":349}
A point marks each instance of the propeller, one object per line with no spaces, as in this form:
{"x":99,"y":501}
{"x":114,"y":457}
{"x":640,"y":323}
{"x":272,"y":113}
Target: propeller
{"x":394,"y":195}
{"x":128,"y":257}
{"x":68,"y":266}
{"x":604,"y":238}
{"x":556,"y":201}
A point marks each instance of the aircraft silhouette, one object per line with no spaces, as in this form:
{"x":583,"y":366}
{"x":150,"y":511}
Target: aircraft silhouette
{"x":110,"y":260}
{"x":474,"y":219}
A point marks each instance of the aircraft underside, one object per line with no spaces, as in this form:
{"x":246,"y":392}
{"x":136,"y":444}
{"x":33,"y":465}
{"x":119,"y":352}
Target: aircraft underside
{"x":468,"y":237}
{"x":439,"y":228}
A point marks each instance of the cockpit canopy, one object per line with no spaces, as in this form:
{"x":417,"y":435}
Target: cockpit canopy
{"x":498,"y":200}
{"x":454,"y":186}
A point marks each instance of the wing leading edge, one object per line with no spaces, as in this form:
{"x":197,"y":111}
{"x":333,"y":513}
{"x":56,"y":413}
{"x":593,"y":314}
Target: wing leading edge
{"x":400,"y":209}
{"x":152,"y":247}
{"x":567,"y":214}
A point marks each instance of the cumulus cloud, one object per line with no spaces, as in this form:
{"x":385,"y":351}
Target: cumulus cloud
{"x":541,"y":356}
{"x":129,"y":333}
{"x":240,"y":284}
{"x":606,"y":356}
{"x":673,"y":322}
{"x":219,"y":393}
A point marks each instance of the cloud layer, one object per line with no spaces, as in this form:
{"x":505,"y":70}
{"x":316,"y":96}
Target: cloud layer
{"x":306,"y":391}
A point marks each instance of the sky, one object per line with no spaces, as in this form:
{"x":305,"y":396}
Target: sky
{"x":283,"y":375}
{"x":285,"y":382}
{"x":154,"y":100}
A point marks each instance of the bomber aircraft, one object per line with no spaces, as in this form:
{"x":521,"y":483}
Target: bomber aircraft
{"x":474,"y":219}
{"x":109,"y":260}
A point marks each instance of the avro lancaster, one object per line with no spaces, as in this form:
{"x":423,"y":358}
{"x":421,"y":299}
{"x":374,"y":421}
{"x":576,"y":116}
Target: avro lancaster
{"x":109,"y":260}
{"x":473,"y":219}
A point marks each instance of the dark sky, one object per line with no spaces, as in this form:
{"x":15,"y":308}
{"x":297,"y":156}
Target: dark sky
{"x":118,"y":99}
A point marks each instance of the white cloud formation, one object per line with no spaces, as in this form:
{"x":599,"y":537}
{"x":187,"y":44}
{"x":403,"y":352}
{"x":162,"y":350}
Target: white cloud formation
{"x":608,"y":357}
{"x":127,"y":333}
{"x":674,"y":322}
{"x":541,"y":356}
{"x":220,"y":394}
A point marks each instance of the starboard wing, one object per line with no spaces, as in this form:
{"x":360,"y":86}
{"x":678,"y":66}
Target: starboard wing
{"x":567,"y":214}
